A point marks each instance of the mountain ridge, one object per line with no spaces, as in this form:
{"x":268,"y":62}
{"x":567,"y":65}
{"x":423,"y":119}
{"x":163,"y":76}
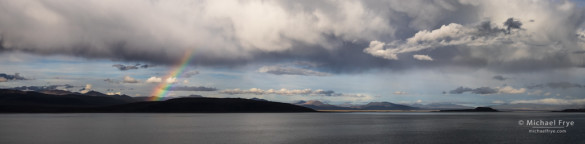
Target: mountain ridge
{"x":15,"y":101}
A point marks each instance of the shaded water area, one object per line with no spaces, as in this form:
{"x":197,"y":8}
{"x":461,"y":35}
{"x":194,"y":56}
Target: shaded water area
{"x":427,"y":127}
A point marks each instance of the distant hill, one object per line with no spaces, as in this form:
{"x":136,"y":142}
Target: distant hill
{"x":16,"y":97}
{"x":318,"y":105}
{"x":477,"y":109}
{"x":207,"y":105}
{"x":385,"y":106}
{"x":15,"y":101}
{"x":30,"y":101}
{"x":532,"y":107}
{"x":439,"y":106}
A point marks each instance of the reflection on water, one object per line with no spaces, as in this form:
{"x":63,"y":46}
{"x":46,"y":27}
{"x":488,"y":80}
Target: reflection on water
{"x":284,"y":128}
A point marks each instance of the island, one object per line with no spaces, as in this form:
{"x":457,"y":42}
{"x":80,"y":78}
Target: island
{"x":572,"y":110}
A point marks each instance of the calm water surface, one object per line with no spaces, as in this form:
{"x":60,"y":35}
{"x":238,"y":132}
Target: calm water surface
{"x":284,"y":128}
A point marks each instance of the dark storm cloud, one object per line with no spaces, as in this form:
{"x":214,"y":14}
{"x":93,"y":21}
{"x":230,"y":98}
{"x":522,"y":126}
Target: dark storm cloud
{"x":484,"y":90}
{"x":122,"y":67}
{"x":480,"y":90}
{"x":192,"y":88}
{"x":257,"y":91}
{"x":332,"y":34}
{"x":512,"y":24}
{"x":5,"y":77}
{"x":85,"y":88}
{"x":41,"y":88}
{"x":556,"y":85}
{"x":460,"y":90}
{"x":499,"y":77}
{"x":111,"y":81}
{"x":145,"y":66}
{"x":489,"y":90}
{"x":328,"y":93}
{"x":486,"y":28}
{"x":218,"y":35}
{"x":489,"y":44}
{"x":280,"y":70}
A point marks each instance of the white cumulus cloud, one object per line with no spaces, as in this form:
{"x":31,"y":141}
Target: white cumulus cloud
{"x":154,"y":80}
{"x":86,"y":89}
{"x":128,"y":79}
{"x":422,"y":57}
{"x":511,"y":90}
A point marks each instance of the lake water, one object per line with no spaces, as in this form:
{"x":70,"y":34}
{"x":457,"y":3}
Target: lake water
{"x":295,"y":128}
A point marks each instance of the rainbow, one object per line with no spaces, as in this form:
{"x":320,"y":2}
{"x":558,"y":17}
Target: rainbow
{"x":162,"y":89}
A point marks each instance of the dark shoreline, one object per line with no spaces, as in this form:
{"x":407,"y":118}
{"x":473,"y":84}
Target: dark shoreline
{"x":179,"y":105}
{"x":572,"y":110}
{"x":478,"y":109}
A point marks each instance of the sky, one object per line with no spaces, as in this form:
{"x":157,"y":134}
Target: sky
{"x":465,"y":52}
